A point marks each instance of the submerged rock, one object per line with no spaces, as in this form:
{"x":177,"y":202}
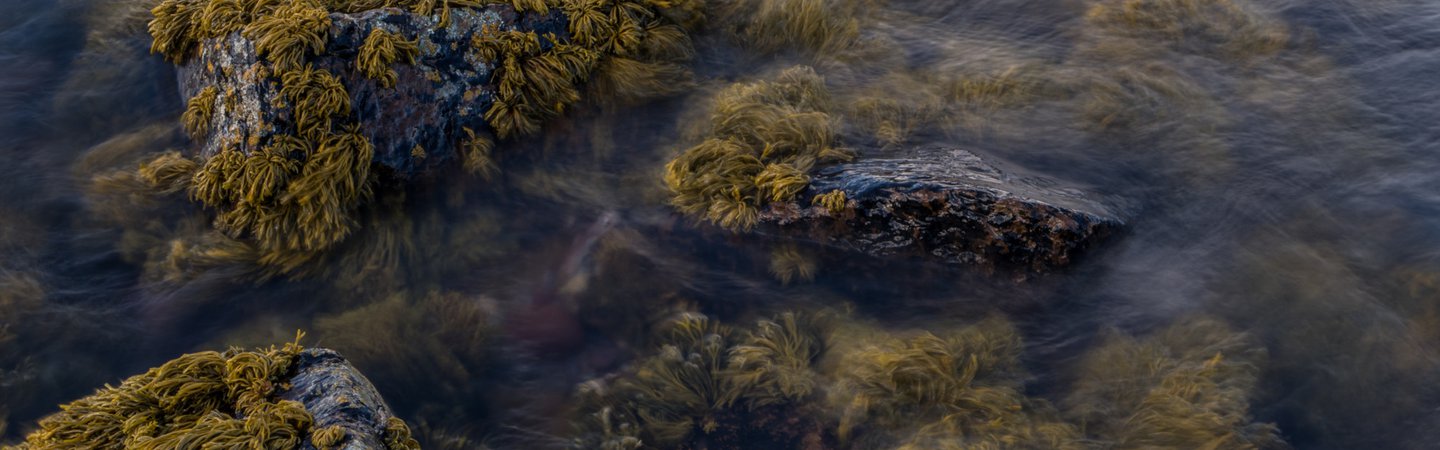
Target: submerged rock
{"x":947,"y":204}
{"x":413,"y":125}
{"x":338,"y":395}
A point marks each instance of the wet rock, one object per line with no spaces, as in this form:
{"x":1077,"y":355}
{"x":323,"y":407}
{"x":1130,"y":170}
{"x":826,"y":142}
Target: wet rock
{"x":336,"y":394}
{"x":950,"y":205}
{"x":447,"y":89}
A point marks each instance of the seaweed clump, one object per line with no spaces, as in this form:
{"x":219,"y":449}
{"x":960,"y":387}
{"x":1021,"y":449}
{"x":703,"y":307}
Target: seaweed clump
{"x":711,"y":383}
{"x":1188,"y":386}
{"x":764,"y":139}
{"x":208,"y":399}
{"x":964,"y":389}
{"x":382,"y":49}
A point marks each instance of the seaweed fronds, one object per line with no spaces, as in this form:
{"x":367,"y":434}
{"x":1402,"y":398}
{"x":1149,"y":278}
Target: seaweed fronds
{"x":199,"y":110}
{"x":694,"y":386}
{"x":290,"y":33}
{"x":834,"y":202}
{"x":816,"y":27}
{"x":424,"y":349}
{"x":788,"y":264}
{"x":173,"y":29}
{"x":774,"y":364}
{"x":168,"y":173}
{"x":382,"y":49}
{"x":397,"y":435}
{"x":476,"y":152}
{"x":197,"y":400}
{"x":974,"y":372}
{"x":764,"y":139}
{"x":1188,"y":386}
{"x":316,"y":98}
{"x":1226,"y":28}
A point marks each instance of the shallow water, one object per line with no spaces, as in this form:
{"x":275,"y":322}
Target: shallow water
{"x":1290,"y":193}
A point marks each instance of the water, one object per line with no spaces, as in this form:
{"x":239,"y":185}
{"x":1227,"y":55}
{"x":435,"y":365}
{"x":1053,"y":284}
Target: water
{"x":1287,"y":191}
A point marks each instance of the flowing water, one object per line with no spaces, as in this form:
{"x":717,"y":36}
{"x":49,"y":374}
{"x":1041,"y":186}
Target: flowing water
{"x":1276,"y":161}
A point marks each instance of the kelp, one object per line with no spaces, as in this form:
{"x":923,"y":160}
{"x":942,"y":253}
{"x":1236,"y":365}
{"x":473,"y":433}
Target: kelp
{"x":208,"y":399}
{"x":764,"y":139}
{"x":1187,"y":386}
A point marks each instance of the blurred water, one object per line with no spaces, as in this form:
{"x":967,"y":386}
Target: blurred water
{"x":1292,"y":194}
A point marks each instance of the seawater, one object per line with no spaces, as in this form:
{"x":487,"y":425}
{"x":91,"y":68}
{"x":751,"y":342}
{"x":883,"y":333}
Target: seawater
{"x":1288,"y":192}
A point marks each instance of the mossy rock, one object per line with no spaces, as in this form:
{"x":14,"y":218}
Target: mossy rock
{"x":946,"y":204}
{"x":415,"y":117}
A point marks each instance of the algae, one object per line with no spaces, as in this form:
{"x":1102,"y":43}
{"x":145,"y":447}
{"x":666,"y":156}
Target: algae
{"x":709,"y":383}
{"x":764,"y":139}
{"x":197,"y":400}
{"x":1187,"y":386}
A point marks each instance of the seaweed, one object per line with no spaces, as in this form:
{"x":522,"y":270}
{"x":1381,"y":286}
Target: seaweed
{"x":788,"y":264}
{"x":382,"y":49}
{"x":1219,"y":28}
{"x":288,"y":34}
{"x":206,"y":399}
{"x":424,"y":351}
{"x":834,"y":202}
{"x":1187,"y":386}
{"x":816,"y":27}
{"x":764,"y":138}
{"x":972,"y":374}
{"x":199,"y":111}
{"x":709,"y":383}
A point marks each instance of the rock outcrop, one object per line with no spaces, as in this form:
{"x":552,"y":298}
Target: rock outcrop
{"x":337,"y":394}
{"x":946,"y":204}
{"x":413,"y":125}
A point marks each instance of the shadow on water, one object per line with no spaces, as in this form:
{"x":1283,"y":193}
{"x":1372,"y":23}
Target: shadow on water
{"x":1276,"y":160}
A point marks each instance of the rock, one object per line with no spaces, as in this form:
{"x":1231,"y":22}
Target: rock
{"x":950,"y":205}
{"x":335,"y":393}
{"x":448,"y":87}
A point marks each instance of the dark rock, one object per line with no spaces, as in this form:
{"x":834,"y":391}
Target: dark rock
{"x":950,"y":205}
{"x":335,"y":393}
{"x":446,"y":89}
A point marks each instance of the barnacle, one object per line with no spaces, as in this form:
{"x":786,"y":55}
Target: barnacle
{"x":382,"y":49}
{"x":207,"y":399}
{"x":765,"y":137}
{"x":199,"y":110}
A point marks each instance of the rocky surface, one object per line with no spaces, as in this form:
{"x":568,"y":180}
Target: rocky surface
{"x":335,"y":393}
{"x":448,"y":88}
{"x":950,"y":205}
